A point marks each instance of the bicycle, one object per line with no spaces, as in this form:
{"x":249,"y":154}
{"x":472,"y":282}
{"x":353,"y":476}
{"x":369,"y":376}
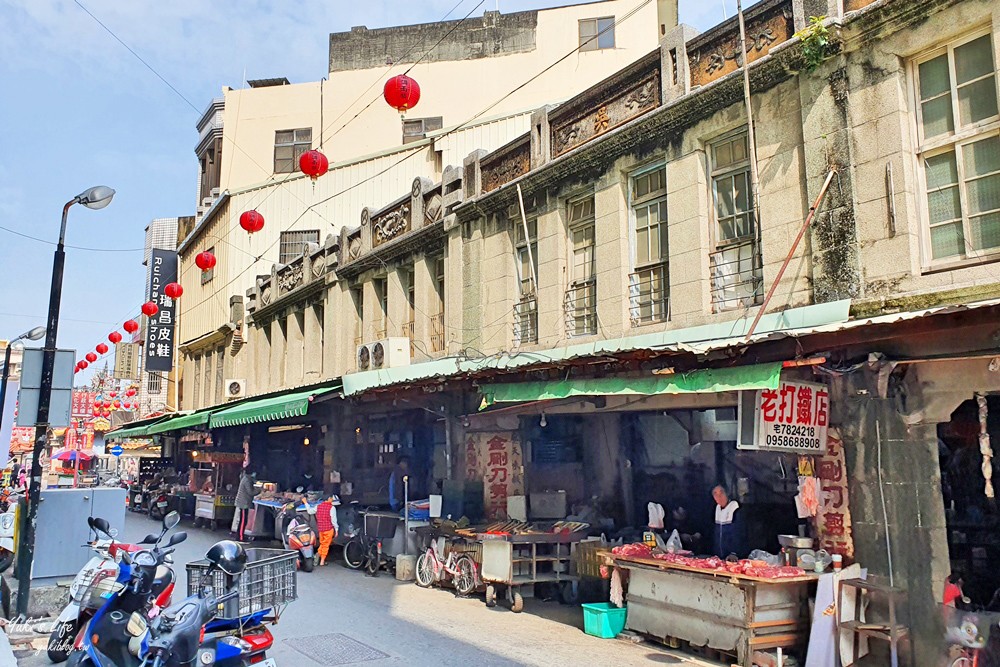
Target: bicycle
{"x":364,"y":550}
{"x":460,"y":568}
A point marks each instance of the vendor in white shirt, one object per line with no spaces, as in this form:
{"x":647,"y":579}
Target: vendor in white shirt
{"x":728,"y":525}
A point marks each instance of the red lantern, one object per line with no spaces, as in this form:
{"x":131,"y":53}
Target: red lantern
{"x":83,"y":365}
{"x":251,"y":221}
{"x":126,"y":405}
{"x":173,"y":290}
{"x":105,"y":413}
{"x":204,"y":261}
{"x":112,"y":394}
{"x":149,"y":309}
{"x":117,"y":403}
{"x":313,"y":164}
{"x":130,"y":392}
{"x":101,"y":348}
{"x":97,"y":412}
{"x":130,"y":326}
{"x":91,"y":357}
{"x":401,"y":92}
{"x":106,"y":404}
{"x":115,"y":337}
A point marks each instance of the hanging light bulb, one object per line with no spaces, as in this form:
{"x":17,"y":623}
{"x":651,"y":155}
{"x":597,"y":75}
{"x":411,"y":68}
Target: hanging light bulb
{"x":542,"y":422}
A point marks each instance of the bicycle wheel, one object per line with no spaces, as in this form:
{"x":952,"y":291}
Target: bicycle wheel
{"x":425,"y":570}
{"x":465,"y":575}
{"x":963,"y":661}
{"x":372,"y":560}
{"x":354,"y":554}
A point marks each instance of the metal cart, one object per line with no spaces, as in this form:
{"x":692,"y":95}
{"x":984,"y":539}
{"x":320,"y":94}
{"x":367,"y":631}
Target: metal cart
{"x":513,"y":561}
{"x":267,"y":583}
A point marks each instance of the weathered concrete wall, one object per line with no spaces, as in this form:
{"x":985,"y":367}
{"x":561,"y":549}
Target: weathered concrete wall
{"x":493,"y":34}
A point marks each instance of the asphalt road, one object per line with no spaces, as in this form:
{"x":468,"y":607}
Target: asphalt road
{"x":345,"y":618}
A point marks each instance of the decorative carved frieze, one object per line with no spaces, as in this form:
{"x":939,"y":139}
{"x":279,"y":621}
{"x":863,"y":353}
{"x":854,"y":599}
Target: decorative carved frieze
{"x":290,"y":277}
{"x":505,"y":167}
{"x":620,"y":107}
{"x":391,"y":224}
{"x":724,"y":54}
{"x":434,"y":209}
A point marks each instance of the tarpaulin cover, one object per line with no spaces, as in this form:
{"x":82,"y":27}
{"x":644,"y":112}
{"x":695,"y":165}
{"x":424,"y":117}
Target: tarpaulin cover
{"x":760,"y":376}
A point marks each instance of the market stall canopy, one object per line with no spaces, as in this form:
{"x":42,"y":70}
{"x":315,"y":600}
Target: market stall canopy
{"x":180,"y":420}
{"x":72,"y":454}
{"x":136,"y":429}
{"x":712,"y":380}
{"x":268,"y":409}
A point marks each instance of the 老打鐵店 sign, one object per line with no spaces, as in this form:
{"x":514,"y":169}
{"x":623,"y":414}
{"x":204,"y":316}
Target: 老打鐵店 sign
{"x":793,"y":418}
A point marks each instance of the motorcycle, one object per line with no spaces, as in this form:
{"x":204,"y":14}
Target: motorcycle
{"x":299,"y":535}
{"x":121,"y":633}
{"x":157,"y":498}
{"x":90,"y":588}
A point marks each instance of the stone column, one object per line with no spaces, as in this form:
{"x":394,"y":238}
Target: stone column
{"x":314,"y":335}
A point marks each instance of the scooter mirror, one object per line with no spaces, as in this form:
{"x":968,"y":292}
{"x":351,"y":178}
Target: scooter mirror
{"x":177,"y":538}
{"x":150,"y":539}
{"x":171,"y":520}
{"x":101,"y":525}
{"x":113,"y":532}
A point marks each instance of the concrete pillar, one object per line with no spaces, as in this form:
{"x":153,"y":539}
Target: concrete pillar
{"x":259,"y":340}
{"x":315,"y":337}
{"x":552,"y":278}
{"x":295,"y":354}
{"x":612,"y":257}
{"x":675,"y":74}
{"x":541,"y":137}
{"x":426,"y":304}
{"x":472,"y":178}
{"x":278,"y":349}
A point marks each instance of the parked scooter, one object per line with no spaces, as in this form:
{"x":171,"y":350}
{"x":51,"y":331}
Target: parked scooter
{"x":91,"y":588}
{"x":158,"y":503}
{"x":299,"y":534}
{"x":119,"y":635}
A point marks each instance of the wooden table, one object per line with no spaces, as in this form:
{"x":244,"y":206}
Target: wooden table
{"x":732,"y":613}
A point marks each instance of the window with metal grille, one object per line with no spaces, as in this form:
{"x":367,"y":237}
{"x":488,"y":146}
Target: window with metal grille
{"x":649,"y":284}
{"x":415,"y":129}
{"x":735,"y":264}
{"x":293,"y":244}
{"x":289,"y":145}
{"x":358,"y":299}
{"x":382,"y":305}
{"x":597,"y":33}
{"x":958,"y":122}
{"x":437,"y":321}
{"x":581,"y":296}
{"x":154,"y":383}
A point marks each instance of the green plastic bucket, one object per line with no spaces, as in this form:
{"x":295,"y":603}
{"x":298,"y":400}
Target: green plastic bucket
{"x":603,"y":620}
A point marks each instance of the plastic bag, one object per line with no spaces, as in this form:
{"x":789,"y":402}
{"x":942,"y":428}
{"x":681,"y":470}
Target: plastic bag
{"x":674,"y":543}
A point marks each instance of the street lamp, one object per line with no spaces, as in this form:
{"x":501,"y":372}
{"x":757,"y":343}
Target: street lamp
{"x":94,"y":198}
{"x":35,"y":334}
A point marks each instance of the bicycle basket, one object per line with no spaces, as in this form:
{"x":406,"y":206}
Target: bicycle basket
{"x":267,"y":582}
{"x":381,"y":525}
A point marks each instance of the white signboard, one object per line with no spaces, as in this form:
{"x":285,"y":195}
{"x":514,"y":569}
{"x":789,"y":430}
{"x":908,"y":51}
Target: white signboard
{"x":792,"y":418}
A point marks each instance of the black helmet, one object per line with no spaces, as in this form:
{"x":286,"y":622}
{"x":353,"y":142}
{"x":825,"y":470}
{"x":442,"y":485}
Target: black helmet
{"x":228,"y":556}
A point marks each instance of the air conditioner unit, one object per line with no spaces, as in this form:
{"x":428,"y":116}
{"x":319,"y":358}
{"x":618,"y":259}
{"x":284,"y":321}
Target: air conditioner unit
{"x":385,"y":353}
{"x":236,"y":388}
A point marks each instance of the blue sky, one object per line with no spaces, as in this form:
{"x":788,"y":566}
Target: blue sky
{"x":80,"y":110}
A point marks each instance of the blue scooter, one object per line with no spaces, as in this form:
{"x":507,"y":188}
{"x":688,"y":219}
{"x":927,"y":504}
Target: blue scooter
{"x":119,"y":635}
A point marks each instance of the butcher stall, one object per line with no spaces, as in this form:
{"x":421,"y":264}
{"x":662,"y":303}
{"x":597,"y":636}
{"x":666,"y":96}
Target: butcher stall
{"x":735,"y":608}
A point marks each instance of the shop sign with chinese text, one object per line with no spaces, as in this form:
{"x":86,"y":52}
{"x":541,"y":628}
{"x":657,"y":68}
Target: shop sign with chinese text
{"x":159,"y":350}
{"x":496,"y":459}
{"x":127,"y":361}
{"x":793,"y":418}
{"x":833,"y":522}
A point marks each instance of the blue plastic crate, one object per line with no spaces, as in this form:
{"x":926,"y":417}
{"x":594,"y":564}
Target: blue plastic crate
{"x":603,"y":620}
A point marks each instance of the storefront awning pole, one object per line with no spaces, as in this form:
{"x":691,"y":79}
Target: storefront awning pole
{"x":791,"y":252}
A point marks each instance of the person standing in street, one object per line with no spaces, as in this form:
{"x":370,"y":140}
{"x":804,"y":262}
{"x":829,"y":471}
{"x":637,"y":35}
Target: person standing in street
{"x":244,"y":500}
{"x":326,"y":526}
{"x":399,"y":473}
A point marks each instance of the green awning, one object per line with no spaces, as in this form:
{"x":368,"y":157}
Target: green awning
{"x":139,"y":429}
{"x":712,"y":380}
{"x":268,"y":409}
{"x":179,"y":421}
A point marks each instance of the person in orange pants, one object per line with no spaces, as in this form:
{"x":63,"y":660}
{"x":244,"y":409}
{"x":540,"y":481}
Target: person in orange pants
{"x":326,"y":525}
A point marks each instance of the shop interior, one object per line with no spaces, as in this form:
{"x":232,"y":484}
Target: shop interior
{"x":972,"y":519}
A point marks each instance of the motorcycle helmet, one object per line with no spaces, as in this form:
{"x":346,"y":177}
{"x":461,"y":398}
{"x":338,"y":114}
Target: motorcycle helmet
{"x":228,"y":556}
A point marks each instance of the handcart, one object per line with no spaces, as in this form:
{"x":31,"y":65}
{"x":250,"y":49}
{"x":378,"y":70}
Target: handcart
{"x":266,"y":585}
{"x":516,"y":560}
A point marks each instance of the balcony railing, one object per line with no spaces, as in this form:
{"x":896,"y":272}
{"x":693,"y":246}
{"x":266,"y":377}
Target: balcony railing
{"x":649,"y":294}
{"x":581,"y":309}
{"x":737,"y":276}
{"x":526,"y":321}
{"x":437,"y":333}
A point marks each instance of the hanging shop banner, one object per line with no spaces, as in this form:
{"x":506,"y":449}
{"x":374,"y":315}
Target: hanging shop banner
{"x":833,"y":521}
{"x":160,"y":332}
{"x":126,"y":361}
{"x":793,"y":418}
{"x":496,"y":459}
{"x":83,"y":404}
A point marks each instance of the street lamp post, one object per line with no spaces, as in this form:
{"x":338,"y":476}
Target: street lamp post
{"x":95,"y":198}
{"x":35,"y":334}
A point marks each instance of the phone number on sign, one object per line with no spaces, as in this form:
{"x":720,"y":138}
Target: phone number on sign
{"x":793,"y":442}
